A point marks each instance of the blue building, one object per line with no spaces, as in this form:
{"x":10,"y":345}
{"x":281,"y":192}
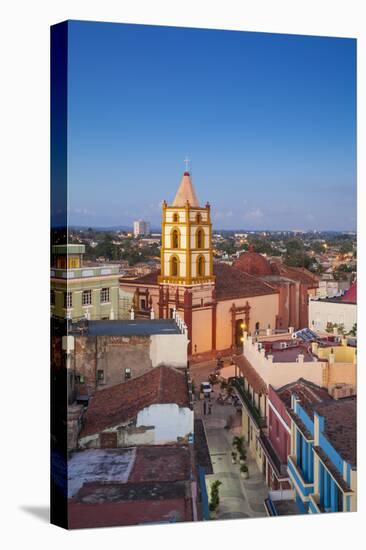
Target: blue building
{"x":322,"y":464}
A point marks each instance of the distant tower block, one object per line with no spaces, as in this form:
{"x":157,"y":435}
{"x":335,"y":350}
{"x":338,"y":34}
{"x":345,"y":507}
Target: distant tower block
{"x":186,"y":252}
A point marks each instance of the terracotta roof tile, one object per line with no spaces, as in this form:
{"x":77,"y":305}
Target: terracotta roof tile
{"x":122,"y":402}
{"x":232,"y":283}
{"x":257,"y":383}
{"x":161,"y":463}
{"x":253,"y":263}
{"x":340,"y":419}
{"x":307,"y":392}
{"x":148,"y":279}
{"x":296,"y":273}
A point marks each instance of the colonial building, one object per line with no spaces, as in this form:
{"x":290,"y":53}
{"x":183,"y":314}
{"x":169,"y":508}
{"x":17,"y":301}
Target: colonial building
{"x":78,"y":291}
{"x":216,"y":301}
{"x":322,"y":464}
{"x":272,"y":363}
{"x":294,"y":284}
{"x":277,"y":443}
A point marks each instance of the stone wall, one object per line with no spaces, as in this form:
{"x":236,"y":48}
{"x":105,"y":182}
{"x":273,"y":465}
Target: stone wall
{"x":111,"y":356}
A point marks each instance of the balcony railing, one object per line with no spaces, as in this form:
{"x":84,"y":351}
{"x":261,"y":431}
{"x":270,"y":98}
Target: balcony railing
{"x":297,"y":475}
{"x":85,"y":272}
{"x":261,"y":421}
{"x":267,"y":446}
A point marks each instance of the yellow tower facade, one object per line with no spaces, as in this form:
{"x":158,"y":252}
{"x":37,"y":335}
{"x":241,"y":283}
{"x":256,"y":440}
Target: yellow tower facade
{"x":186,"y":251}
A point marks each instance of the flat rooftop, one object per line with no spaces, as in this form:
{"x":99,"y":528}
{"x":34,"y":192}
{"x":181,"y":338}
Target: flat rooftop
{"x":138,"y":327}
{"x":110,"y":487}
{"x":126,"y":468}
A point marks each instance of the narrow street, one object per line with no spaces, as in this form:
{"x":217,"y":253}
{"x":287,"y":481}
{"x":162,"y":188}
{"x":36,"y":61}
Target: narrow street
{"x":239,"y":498}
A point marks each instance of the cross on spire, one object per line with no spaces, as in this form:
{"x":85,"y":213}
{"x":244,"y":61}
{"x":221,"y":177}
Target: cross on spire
{"x":187,"y":161}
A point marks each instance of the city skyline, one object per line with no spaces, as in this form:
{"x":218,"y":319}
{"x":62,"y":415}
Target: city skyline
{"x":268,"y":121}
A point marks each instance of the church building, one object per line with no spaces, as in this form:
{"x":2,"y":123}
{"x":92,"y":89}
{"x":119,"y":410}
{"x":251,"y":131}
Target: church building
{"x":217,"y":301}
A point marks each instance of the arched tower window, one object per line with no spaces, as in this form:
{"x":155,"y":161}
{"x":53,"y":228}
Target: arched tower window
{"x":174,"y":266}
{"x":175,"y":238}
{"x":201,"y":266}
{"x":200,"y":238}
{"x":175,"y":217}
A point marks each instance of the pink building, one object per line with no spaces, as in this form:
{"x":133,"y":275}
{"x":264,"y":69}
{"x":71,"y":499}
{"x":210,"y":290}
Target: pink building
{"x":277,"y":444}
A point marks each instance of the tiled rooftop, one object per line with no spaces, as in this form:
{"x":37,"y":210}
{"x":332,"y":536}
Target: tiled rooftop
{"x":161,"y":463}
{"x":289,"y":355}
{"x":340,"y":418}
{"x":129,"y":486}
{"x":149,"y":279}
{"x":296,"y":273}
{"x":306,"y":391}
{"x":120,"y":403}
{"x":232,"y":283}
{"x":249,"y":372}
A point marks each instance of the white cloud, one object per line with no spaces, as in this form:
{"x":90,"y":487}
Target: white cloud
{"x":253,"y":214}
{"x":221,"y":215}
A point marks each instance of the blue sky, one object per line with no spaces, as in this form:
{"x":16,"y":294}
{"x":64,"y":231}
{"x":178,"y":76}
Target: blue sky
{"x":268,"y":121}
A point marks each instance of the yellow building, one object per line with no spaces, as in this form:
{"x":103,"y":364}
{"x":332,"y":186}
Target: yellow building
{"x":216,"y":301}
{"x":79,"y":291}
{"x":186,"y":252}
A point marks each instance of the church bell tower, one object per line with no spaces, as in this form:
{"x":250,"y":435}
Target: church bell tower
{"x":186,"y":251}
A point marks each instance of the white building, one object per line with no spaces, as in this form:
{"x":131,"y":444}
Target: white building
{"x":141,"y":227}
{"x":341,"y":310}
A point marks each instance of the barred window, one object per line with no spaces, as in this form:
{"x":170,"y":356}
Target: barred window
{"x":127,"y":374}
{"x":104,"y":295}
{"x":100,"y":375}
{"x":67,"y":300}
{"x":87,"y":298}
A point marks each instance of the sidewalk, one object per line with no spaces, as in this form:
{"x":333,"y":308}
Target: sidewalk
{"x":239,"y":498}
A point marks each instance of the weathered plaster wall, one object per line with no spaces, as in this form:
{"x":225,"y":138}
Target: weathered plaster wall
{"x":169,"y":349}
{"x":171,"y":422}
{"x":112,"y":355}
{"x":157,"y":424}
